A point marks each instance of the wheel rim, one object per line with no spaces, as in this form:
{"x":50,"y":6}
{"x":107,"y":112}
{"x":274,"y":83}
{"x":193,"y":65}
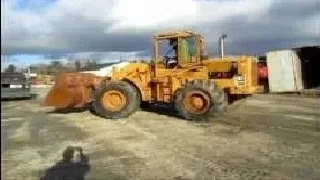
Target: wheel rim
{"x":114,"y":100}
{"x":197,"y":102}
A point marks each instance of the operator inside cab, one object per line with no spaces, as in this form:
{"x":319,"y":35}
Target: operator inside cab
{"x":185,"y":50}
{"x":171,"y":56}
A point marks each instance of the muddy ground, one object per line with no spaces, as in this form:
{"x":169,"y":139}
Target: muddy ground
{"x":261,"y":137}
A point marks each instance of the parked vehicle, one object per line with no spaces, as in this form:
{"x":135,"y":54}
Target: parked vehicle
{"x":14,"y":85}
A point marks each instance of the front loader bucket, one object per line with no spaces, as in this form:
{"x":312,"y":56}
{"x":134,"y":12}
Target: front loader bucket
{"x":72,"y":90}
{"x":59,"y":97}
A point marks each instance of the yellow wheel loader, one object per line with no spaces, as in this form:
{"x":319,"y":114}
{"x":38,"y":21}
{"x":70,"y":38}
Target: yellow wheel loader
{"x":179,"y":74}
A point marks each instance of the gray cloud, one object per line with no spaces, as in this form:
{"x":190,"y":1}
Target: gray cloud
{"x":65,"y":29}
{"x":294,"y":9}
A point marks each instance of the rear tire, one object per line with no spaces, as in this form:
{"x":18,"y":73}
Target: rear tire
{"x":129,"y":100}
{"x":212,"y":97}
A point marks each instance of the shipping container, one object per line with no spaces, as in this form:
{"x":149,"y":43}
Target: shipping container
{"x":310,"y":65}
{"x":293,"y":70}
{"x":284,"y":71}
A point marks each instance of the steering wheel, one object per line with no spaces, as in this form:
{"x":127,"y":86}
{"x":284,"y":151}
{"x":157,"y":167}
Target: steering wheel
{"x":167,"y":58}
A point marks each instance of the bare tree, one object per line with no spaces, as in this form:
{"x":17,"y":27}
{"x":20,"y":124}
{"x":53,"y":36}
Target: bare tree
{"x":11,"y":68}
{"x":56,"y":64}
{"x":55,"y":68}
{"x":77,"y":64}
{"x":89,"y":64}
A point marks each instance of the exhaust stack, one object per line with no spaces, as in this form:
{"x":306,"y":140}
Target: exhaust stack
{"x":221,"y":44}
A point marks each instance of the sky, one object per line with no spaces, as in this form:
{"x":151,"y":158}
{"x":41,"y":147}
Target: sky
{"x":34,"y":31}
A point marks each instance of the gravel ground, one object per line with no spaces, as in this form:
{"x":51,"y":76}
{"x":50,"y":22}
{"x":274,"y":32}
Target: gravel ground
{"x":261,"y":137}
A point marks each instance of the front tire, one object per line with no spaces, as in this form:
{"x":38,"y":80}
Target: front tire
{"x":116,"y":99}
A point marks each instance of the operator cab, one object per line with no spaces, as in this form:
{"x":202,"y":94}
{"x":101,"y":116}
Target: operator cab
{"x":174,"y":49}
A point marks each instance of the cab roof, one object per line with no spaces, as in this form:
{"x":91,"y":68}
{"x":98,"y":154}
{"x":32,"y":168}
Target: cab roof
{"x":175,"y":34}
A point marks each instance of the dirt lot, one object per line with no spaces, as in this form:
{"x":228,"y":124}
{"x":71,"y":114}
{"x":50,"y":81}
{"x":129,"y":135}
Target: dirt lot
{"x":262,"y":137}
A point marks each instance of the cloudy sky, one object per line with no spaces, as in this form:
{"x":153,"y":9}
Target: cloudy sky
{"x":38,"y":30}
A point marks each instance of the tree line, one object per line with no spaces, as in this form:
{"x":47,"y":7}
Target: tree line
{"x":56,"y":67}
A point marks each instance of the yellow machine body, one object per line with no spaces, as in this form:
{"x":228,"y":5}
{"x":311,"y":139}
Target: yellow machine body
{"x":156,"y":81}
